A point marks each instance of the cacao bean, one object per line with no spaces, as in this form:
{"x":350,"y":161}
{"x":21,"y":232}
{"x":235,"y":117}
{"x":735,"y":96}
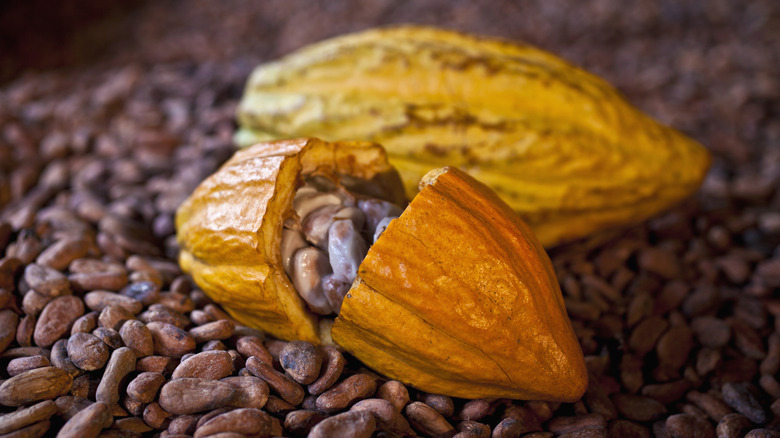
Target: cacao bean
{"x":199,"y":317}
{"x":347,"y":425}
{"x":170,"y":340}
{"x":46,"y":281}
{"x":98,"y":300}
{"x":386,"y":417}
{"x":109,"y":336}
{"x":35,"y":385}
{"x":113,"y":316}
{"x":24,"y":331}
{"x":250,"y":391}
{"x":36,"y":430}
{"x":193,"y":395}
{"x":91,"y":274}
{"x":136,"y":336}
{"x":156,"y":417}
{"x":687,"y":425}
{"x":132,"y":425}
{"x":155,"y":364}
{"x":219,"y":330}
{"x":299,"y":423}
{"x":175,"y":301}
{"x":33,"y":303}
{"x":473,"y":429}
{"x":160,"y":313}
{"x":743,"y":398}
{"x":146,"y":292}
{"x":473,"y":410}
{"x":88,"y":422}
{"x":637,"y":407}
{"x":302,"y":361}
{"x":287,"y":388}
{"x":8,"y":323}
{"x":244,"y":420}
{"x":732,"y":426}
{"x":441,"y":403}
{"x":346,"y":393}
{"x":714,"y":407}
{"x":425,"y":420}
{"x":206,"y":365}
{"x":24,"y":417}
{"x":253,"y":346}
{"x":85,"y":323}
{"x":331,"y":369}
{"x":60,"y":359}
{"x":87,"y":352}
{"x":56,"y":319}
{"x":183,"y":424}
{"x":121,"y":363}
{"x":62,"y":252}
{"x":562,"y":425}
{"x":145,"y":386}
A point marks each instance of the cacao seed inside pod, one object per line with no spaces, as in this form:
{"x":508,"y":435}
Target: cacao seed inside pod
{"x":561,"y":146}
{"x":456,"y":296}
{"x":326,"y":240}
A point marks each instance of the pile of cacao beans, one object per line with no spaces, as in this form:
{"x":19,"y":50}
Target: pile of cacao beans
{"x":102,"y":335}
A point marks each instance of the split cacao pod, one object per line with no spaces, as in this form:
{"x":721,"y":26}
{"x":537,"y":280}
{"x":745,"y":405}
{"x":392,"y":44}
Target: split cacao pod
{"x":561,"y":146}
{"x":229,"y":229}
{"x":456,"y":297}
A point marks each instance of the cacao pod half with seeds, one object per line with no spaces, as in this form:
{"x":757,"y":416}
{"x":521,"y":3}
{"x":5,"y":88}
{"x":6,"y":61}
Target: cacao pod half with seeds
{"x":453,"y":294}
{"x":561,"y":146}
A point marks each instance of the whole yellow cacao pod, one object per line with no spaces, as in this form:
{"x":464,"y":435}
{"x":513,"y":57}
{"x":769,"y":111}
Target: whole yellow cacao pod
{"x":562,"y":147}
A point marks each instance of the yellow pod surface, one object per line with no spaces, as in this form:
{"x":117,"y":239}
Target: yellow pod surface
{"x":561,"y":146}
{"x":458,"y":297}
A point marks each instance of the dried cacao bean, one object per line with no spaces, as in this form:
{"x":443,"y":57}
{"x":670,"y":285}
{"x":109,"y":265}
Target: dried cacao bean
{"x":192,"y":395}
{"x":302,"y":361}
{"x":121,"y":363}
{"x":347,"y":425}
{"x":206,"y":365}
{"x":350,"y":390}
{"x":24,"y":417}
{"x":88,"y":422}
{"x":287,"y":388}
{"x":56,"y":319}
{"x":425,"y":420}
{"x":170,"y":340}
{"x":35,"y":385}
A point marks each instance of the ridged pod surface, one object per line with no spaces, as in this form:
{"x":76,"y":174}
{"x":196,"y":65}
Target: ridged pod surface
{"x":229,"y":230}
{"x":458,"y":297}
{"x":561,"y":146}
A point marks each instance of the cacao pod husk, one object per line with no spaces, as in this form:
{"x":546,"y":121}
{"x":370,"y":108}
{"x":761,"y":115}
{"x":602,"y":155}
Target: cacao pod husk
{"x":561,"y":146}
{"x":456,"y":297}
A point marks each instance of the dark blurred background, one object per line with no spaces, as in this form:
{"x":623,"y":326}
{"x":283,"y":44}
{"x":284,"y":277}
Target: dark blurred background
{"x":710,"y":68}
{"x":45,"y":34}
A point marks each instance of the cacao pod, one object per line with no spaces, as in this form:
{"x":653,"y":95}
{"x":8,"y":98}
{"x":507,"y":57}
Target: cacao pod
{"x":229,"y":229}
{"x":455,"y":297}
{"x":561,"y":146}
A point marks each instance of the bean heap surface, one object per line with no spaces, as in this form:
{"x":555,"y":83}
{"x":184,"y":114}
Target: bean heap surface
{"x":678,"y":317}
